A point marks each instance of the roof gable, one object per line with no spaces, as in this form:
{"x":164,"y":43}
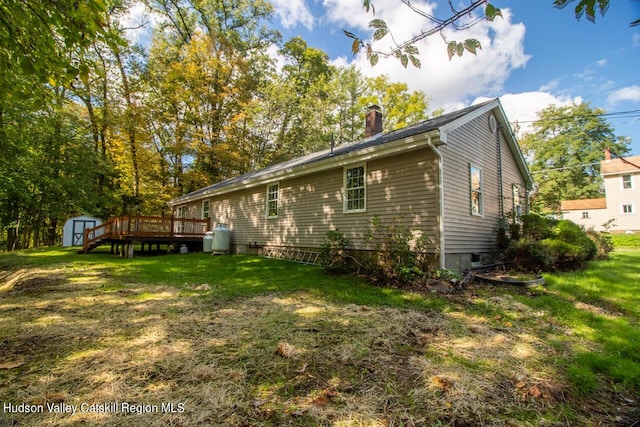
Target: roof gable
{"x":613,"y":166}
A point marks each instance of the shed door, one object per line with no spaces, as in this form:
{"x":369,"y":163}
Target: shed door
{"x":79,"y":225}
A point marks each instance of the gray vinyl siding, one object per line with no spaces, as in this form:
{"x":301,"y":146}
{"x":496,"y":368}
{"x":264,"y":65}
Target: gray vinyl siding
{"x":474,"y":144}
{"x":400,"y":189}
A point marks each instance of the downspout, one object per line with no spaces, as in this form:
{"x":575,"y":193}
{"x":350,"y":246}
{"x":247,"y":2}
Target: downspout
{"x":441,"y":239}
{"x":500,"y":189}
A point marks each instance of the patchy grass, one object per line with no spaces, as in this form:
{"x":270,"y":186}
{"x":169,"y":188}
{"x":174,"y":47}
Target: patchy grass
{"x":274,"y":343}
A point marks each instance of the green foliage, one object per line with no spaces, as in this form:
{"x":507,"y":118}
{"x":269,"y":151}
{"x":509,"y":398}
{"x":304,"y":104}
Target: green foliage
{"x":603,"y":242}
{"x":626,"y":240}
{"x":566,"y":146}
{"x":583,"y":381}
{"x":334,"y":254}
{"x":407,"y":51}
{"x":587,"y":7}
{"x":392,"y":262}
{"x":548,"y":245}
{"x":530,"y":255}
{"x":535,"y":227}
{"x":38,"y":38}
{"x":572,"y":233}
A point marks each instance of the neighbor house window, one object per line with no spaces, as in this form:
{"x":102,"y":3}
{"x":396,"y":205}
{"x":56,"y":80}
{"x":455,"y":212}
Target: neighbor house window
{"x":355,"y":189}
{"x":627,"y":209}
{"x":585,"y":215}
{"x":273,"y":195}
{"x":205,"y":209}
{"x":626,"y":182}
{"x":476,"y":190}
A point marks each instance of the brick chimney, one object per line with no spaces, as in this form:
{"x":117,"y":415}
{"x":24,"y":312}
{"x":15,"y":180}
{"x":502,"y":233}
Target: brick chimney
{"x":607,"y":154}
{"x":373,"y":121}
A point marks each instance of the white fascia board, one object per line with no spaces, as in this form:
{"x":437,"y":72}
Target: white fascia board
{"x":369,"y":153}
{"x":451,"y":126}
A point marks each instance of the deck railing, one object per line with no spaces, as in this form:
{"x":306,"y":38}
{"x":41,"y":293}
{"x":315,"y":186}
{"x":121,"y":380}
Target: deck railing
{"x":133,"y":226}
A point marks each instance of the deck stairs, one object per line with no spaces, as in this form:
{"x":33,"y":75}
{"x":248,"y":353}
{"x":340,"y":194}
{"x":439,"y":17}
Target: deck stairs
{"x":292,"y":254}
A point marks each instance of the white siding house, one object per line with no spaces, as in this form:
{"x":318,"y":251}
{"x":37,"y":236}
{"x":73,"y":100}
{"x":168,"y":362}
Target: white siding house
{"x":620,"y":210}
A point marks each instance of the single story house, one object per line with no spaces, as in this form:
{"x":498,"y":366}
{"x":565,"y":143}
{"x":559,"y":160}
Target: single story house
{"x":618,"y":211}
{"x":451,"y":178}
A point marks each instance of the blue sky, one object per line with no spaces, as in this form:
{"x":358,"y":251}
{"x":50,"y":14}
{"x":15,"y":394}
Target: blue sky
{"x":534,"y":56}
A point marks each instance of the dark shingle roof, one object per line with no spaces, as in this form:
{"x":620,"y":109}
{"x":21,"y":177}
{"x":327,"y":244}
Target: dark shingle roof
{"x":372,"y":141}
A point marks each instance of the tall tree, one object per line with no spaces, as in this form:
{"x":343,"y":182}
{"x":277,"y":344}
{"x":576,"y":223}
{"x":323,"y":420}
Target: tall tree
{"x":399,"y":106}
{"x":564,"y":152}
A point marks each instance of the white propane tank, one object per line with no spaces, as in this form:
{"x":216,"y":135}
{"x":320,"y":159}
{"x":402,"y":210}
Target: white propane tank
{"x":221,"y":239}
{"x":184,"y":249}
{"x":207,"y":241}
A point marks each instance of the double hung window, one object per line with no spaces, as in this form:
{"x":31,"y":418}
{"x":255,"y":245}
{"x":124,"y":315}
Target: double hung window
{"x":273,"y":196}
{"x":355,"y":189}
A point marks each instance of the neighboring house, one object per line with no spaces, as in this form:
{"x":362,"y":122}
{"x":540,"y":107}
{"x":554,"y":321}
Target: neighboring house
{"x":452,"y":178}
{"x":590,"y":213}
{"x":618,"y":212}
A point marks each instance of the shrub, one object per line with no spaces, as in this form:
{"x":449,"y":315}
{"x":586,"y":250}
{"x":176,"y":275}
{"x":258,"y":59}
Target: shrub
{"x":392,"y":262}
{"x":530,"y":255}
{"x":572,"y":233}
{"x":535,"y":227}
{"x":334,"y":255}
{"x":565,"y":256}
{"x":603,"y":242}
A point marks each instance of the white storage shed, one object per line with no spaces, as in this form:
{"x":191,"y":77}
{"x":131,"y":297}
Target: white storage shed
{"x":73,"y":230}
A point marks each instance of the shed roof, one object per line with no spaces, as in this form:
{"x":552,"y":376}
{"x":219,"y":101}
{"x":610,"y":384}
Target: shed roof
{"x":583,"y":204}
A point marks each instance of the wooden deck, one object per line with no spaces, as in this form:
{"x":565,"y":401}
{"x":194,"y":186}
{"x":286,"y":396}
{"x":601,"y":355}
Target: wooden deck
{"x":130,"y":229}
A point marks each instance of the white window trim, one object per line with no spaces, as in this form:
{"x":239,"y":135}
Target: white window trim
{"x":181,"y":213}
{"x":633,"y":209}
{"x":277,"y":200}
{"x":481,"y":213}
{"x":630,"y":181}
{"x":208,"y":210}
{"x":345,"y":190}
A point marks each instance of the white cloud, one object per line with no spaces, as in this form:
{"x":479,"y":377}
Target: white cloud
{"x":601,"y":63}
{"x":293,"y":13}
{"x":522,"y":108}
{"x":553,"y":84}
{"x":139,"y":23}
{"x":447,"y":82}
{"x":629,"y":93}
{"x":636,"y":39}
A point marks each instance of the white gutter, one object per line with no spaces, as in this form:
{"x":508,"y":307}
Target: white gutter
{"x":441,"y":239}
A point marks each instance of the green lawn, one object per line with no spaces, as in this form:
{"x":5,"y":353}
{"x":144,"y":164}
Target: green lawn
{"x":242,"y":340}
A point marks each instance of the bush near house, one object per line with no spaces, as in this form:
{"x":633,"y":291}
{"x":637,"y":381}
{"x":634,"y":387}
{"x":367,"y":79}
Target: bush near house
{"x":551,"y":245}
{"x":399,"y":255}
